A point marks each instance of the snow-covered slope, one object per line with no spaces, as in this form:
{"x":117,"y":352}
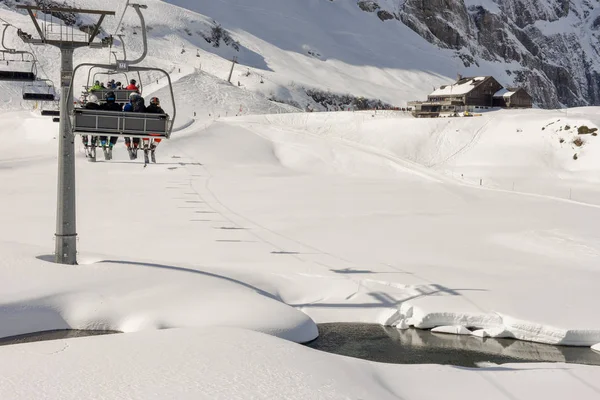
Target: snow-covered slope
{"x":396,"y":53}
{"x":548,"y":46}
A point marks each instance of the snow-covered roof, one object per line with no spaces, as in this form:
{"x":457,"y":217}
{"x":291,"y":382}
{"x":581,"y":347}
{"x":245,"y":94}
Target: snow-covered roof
{"x":504,"y":93}
{"x":463,"y":86}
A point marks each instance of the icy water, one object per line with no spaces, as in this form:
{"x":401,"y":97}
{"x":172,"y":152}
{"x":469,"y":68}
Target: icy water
{"x":414,"y":346}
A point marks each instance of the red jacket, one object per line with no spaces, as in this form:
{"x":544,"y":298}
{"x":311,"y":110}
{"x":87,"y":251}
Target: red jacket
{"x":132,"y":87}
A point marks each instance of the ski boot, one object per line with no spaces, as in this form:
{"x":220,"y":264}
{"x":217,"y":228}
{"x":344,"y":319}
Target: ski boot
{"x":104,"y":149}
{"x":153,"y":153}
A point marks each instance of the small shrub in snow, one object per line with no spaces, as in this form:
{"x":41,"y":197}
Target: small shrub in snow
{"x":578,"y":142}
{"x":575,"y":156}
{"x":543,"y":128}
{"x":594,"y":133}
{"x":561,"y":140}
{"x":567,"y":127}
{"x":584,"y":130}
{"x":332,"y":101}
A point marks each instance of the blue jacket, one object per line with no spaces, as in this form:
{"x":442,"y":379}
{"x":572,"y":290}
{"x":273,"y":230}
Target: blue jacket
{"x":128,"y":107}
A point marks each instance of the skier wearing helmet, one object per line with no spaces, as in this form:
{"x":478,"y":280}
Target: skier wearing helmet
{"x":90,"y":147}
{"x":153,"y":108}
{"x":109,"y":105}
{"x":136,"y":104}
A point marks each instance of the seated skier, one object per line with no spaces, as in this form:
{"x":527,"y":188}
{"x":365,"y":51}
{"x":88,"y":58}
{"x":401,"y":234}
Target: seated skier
{"x":110,"y":105}
{"x":133,"y":86}
{"x":136,"y":104}
{"x":153,"y":108}
{"x":90,"y":147}
{"x":96,"y":86}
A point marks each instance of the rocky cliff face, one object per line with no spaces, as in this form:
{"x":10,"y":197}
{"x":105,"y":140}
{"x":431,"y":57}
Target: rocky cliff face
{"x":550,"y":47}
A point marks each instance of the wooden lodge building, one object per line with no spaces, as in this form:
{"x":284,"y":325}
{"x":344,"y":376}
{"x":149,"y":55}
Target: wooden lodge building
{"x":467,"y":94}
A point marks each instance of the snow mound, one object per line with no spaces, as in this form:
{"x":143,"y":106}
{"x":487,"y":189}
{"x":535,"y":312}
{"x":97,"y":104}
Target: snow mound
{"x":130,"y":296}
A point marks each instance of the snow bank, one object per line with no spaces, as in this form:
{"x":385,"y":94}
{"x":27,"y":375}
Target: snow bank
{"x":230,"y":363}
{"x":131,"y":296}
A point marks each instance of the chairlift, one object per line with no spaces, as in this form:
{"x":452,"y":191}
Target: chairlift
{"x":120,"y":123}
{"x":19,"y":76}
{"x":121,"y":95}
{"x":35,"y":92}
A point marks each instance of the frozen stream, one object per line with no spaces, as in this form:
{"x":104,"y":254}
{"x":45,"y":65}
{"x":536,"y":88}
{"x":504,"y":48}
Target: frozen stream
{"x":411,"y":346}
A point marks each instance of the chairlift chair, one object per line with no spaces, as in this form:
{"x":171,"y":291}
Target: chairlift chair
{"x":10,"y":75}
{"x":91,"y":79}
{"x":120,"y":123}
{"x":7,"y":75}
{"x":34,"y":92}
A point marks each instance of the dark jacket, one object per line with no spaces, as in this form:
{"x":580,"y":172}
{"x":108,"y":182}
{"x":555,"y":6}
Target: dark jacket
{"x":154,"y":109}
{"x":92,"y":106}
{"x":111,"y":106}
{"x":139,"y":106}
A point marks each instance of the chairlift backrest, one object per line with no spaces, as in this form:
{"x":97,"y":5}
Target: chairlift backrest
{"x":116,"y":123}
{"x":16,"y":76}
{"x":121,"y":96}
{"x":38,"y":96}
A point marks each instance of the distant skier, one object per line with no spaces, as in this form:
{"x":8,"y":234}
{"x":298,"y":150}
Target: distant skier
{"x":153,"y":108}
{"x":133,"y":86}
{"x":110,"y":105}
{"x":136,"y":104}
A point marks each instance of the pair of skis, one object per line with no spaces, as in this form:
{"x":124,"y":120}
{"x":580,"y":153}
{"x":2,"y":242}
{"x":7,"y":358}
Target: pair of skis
{"x":149,"y":154}
{"x":90,"y":151}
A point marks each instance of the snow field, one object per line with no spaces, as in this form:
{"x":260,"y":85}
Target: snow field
{"x":339,"y":240}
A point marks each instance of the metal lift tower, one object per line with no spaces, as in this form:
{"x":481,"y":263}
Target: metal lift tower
{"x":67,"y":42}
